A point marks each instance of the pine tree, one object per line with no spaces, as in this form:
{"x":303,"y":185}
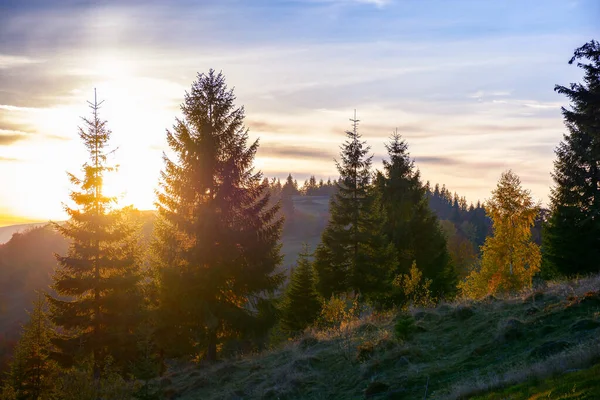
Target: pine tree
{"x":572,"y":237}
{"x":287,"y":204}
{"x":302,"y":303}
{"x":97,"y":280}
{"x":217,"y":245}
{"x":409,"y":222}
{"x":32,"y":369}
{"x":353,"y":255}
{"x":510,"y":258}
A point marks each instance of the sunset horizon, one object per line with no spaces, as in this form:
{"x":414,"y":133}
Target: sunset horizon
{"x":462,"y":84}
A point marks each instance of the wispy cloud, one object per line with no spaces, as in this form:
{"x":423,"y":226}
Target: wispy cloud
{"x":6,"y":139}
{"x":8,"y":61}
{"x":377,"y":3}
{"x":292,"y":152}
{"x":443,"y":161}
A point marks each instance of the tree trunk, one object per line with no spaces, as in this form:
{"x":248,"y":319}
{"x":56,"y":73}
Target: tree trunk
{"x":211,"y":351}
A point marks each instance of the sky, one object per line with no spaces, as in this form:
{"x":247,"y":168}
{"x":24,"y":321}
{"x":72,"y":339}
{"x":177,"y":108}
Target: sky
{"x":468,"y":83}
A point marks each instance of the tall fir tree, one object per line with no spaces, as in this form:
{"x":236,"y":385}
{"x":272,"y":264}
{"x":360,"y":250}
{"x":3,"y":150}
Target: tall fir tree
{"x":32,"y":369}
{"x":353,"y":254}
{"x":97,"y":280}
{"x":409,"y":222}
{"x":302,"y":303}
{"x":218,"y":240}
{"x":572,"y":236}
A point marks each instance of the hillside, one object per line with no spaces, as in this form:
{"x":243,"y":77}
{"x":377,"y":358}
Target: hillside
{"x":6,"y":232}
{"x":494,"y":349}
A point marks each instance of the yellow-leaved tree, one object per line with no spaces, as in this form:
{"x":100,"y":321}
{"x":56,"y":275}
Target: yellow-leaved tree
{"x":510,"y":258}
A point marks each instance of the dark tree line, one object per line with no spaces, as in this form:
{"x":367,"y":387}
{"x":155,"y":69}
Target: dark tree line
{"x":470,"y":220}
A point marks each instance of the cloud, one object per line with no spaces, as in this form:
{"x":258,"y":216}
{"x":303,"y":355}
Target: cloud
{"x":8,"y":159}
{"x":376,"y":3}
{"x":459,"y":163}
{"x":7,"y":139}
{"x":295,"y":152}
{"x":495,"y":128}
{"x":264,"y":126}
{"x":8,"y":61}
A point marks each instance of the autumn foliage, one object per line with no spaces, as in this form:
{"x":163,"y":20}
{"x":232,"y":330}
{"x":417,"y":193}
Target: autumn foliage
{"x":510,"y":258}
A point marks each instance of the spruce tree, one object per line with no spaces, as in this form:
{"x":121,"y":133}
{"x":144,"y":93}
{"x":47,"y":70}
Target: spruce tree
{"x":32,"y":369}
{"x":409,"y":222}
{"x":217,"y":247}
{"x":572,"y":237}
{"x":353,"y":255}
{"x":302,"y":303}
{"x":97,"y":280}
{"x":287,"y":204}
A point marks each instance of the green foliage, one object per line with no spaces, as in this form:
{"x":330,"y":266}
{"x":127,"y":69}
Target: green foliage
{"x":510,"y":259}
{"x":32,"y":370}
{"x":414,"y":288}
{"x":147,"y":364}
{"x":77,"y":384}
{"x":405,"y":327}
{"x":302,"y":303}
{"x":353,"y":254}
{"x":97,"y":280}
{"x":571,"y":240}
{"x":409,"y":223}
{"x":217,"y":239}
{"x":462,"y":252}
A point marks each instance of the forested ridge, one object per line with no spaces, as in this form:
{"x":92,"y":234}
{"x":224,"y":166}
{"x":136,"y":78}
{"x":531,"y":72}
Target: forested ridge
{"x":234,"y":264}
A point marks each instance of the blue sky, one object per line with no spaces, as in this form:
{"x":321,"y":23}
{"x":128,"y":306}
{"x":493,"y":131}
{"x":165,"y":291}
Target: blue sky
{"x":469,"y":84}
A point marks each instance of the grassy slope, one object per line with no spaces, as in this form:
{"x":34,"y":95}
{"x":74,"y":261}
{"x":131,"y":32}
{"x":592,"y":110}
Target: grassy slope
{"x":460,"y":350}
{"x":577,"y":385}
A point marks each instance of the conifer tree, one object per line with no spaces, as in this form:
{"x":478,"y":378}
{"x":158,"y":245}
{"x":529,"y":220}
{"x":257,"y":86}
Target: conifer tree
{"x":353,"y":254}
{"x":217,"y":247}
{"x":287,"y":204}
{"x":97,"y":280}
{"x":302,"y":303}
{"x":572,"y":237}
{"x":510,"y":258}
{"x":32,"y":369}
{"x":409,"y":222}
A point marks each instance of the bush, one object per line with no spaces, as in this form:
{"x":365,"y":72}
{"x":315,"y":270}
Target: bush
{"x":414,"y":288}
{"x":338,"y":310}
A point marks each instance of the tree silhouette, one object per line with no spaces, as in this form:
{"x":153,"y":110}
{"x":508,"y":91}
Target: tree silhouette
{"x":302,"y":303}
{"x":572,"y":237}
{"x":217,"y":245}
{"x":353,"y":254}
{"x":409,"y":222}
{"x":32,"y":369}
{"x":97,"y":280}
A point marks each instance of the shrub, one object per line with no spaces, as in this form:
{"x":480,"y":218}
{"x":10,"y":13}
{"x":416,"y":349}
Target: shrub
{"x":405,"y":327}
{"x":415,"y":289}
{"x":338,"y":310}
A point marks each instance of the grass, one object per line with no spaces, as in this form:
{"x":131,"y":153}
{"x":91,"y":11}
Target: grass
{"x":500,"y":348}
{"x":576,"y":385}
